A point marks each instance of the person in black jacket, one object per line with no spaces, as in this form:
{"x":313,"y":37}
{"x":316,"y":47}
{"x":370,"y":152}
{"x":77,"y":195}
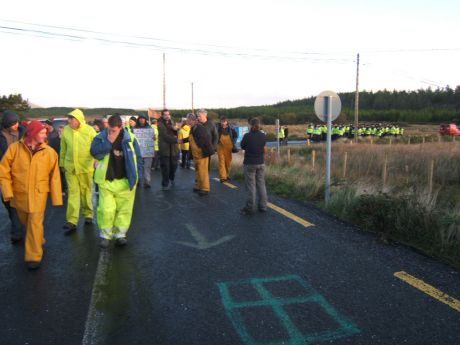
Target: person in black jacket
{"x":253,"y":144}
{"x":202,"y":117}
{"x":169,"y":150}
{"x":11,"y":132}
{"x":202,"y":149}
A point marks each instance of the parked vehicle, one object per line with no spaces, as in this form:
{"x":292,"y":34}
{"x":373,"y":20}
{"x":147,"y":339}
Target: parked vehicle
{"x":449,"y":129}
{"x":59,"y":121}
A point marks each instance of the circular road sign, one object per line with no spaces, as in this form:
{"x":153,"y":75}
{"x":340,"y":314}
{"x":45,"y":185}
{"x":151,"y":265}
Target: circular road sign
{"x":321,"y":108}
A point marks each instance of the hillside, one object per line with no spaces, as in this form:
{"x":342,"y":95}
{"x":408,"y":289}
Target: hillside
{"x":421,"y":106}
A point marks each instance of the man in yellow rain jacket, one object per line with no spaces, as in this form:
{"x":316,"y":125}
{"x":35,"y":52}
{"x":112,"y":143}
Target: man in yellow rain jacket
{"x":28,"y":172}
{"x":78,"y":164}
{"x":184,"y":133}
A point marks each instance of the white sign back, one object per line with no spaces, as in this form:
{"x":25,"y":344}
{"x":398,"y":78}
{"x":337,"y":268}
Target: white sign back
{"x":321,"y":107}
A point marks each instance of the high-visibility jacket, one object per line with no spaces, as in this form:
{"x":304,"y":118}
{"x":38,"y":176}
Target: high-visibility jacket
{"x":75,"y":145}
{"x":184,"y":133}
{"x":100,"y":149}
{"x":155,"y":134}
{"x":281,"y":133}
{"x":310,"y":130}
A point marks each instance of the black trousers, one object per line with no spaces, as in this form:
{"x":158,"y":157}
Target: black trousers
{"x":168,"y":166}
{"x":16,"y":226}
{"x":185,"y":161}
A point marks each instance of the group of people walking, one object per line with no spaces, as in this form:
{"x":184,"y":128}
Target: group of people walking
{"x":30,"y":169}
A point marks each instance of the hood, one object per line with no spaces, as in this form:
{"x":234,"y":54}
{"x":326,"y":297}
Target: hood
{"x":9,"y":118}
{"x":78,"y":114}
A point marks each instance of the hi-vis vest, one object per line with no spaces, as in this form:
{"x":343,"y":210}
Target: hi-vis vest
{"x":101,"y":166}
{"x":281,"y":133}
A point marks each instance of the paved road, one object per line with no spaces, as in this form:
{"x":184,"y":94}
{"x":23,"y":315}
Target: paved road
{"x":197,"y":272}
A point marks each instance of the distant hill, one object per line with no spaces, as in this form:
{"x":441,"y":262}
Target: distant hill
{"x":421,"y":106}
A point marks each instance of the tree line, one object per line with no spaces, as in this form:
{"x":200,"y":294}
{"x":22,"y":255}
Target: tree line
{"x":420,"y":106}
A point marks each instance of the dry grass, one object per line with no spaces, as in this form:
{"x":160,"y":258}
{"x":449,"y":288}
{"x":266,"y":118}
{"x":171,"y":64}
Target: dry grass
{"x":410,"y":193}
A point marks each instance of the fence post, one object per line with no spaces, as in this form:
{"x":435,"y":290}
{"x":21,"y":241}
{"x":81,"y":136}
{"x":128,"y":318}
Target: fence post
{"x":439,"y":138}
{"x":391,"y":140}
{"x":423,"y":140}
{"x":313,"y":159}
{"x":430,"y":181}
{"x":345,"y":159}
{"x":289,"y":156}
{"x":406,"y":168}
{"x":384,"y":171}
{"x":308,"y":142}
{"x":408,"y":141}
{"x":372,"y":141}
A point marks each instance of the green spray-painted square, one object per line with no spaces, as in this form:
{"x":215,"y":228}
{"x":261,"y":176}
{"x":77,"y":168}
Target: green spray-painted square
{"x":282,"y":311}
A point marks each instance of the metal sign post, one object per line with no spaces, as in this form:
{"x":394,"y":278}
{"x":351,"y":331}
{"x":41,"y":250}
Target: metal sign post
{"x":278,"y":137}
{"x":327,"y":109}
{"x":328,"y":113}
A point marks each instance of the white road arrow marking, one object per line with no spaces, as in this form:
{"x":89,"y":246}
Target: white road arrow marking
{"x":201,"y":241}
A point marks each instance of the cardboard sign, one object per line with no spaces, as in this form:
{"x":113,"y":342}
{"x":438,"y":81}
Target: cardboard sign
{"x":145,"y":138}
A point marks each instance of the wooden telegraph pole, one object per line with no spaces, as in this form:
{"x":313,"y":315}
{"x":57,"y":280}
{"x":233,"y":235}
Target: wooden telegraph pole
{"x":357,"y":98}
{"x":193,"y":108}
{"x":164,"y":81}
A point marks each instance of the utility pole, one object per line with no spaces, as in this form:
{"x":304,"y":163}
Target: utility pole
{"x":357,"y":98}
{"x":164,"y":81}
{"x":193,"y":108}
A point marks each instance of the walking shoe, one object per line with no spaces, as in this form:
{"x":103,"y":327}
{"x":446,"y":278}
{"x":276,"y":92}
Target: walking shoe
{"x":165,"y":188}
{"x":173,"y":184}
{"x":146,"y":185}
{"x":246,"y":211}
{"x":69,"y":228}
{"x":33,"y":265}
{"x":196,"y":189}
{"x":88,"y":220}
{"x":121,"y":241}
{"x":262,"y":209}
{"x":202,"y":193}
{"x":104,"y":243}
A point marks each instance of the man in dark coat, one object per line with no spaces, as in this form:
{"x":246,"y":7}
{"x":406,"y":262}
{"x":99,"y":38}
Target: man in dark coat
{"x":169,"y":150}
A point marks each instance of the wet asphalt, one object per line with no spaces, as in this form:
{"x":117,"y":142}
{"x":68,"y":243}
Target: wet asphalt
{"x":195,"y":271}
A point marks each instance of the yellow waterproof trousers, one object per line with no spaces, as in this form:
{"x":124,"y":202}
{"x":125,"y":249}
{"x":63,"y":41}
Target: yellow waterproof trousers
{"x":202,"y":174}
{"x":80,"y":190}
{"x":224,"y":153}
{"x":34,"y":234}
{"x":115,"y":208}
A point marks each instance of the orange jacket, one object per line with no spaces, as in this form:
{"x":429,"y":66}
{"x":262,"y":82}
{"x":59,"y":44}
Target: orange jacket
{"x":26,"y":179}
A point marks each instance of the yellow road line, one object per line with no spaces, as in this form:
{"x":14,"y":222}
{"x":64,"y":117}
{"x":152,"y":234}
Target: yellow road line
{"x":289,"y":215}
{"x":279,"y":210}
{"x":228,"y":184}
{"x":429,"y":290}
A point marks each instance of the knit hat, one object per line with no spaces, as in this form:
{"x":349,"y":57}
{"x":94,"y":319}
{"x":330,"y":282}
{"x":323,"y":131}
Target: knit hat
{"x":33,"y":128}
{"x":133,"y":118}
{"x":9,"y":119}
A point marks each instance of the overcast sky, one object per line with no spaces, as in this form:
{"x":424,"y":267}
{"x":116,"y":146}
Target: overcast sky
{"x":109,"y":53}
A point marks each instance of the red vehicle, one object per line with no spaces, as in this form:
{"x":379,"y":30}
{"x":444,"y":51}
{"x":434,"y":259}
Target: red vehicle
{"x":449,"y":129}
